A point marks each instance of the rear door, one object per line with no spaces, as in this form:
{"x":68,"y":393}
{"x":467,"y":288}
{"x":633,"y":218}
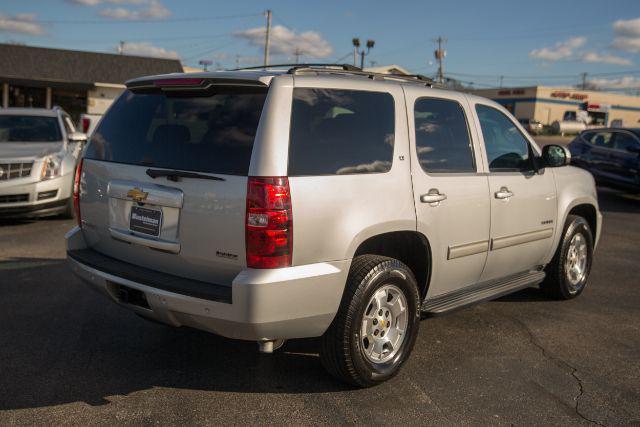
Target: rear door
{"x":523,"y":202}
{"x":186,"y":226}
{"x":625,"y":157}
{"x":451,"y":193}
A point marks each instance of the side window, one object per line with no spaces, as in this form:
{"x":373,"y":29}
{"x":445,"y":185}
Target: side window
{"x":602,"y":139}
{"x":623,"y":141}
{"x":507,"y":149}
{"x":442,"y":136}
{"x":338,"y":132}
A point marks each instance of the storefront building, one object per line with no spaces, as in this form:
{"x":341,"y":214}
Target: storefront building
{"x":79,"y":82}
{"x":550,"y":104}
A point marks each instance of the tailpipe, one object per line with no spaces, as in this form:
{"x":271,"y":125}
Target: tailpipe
{"x":269,"y":346}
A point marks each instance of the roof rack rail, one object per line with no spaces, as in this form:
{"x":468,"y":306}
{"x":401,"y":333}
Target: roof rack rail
{"x":345,"y":69}
{"x":413,"y":78}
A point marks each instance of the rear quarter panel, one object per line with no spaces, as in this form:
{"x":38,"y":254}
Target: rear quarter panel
{"x":333,"y":214}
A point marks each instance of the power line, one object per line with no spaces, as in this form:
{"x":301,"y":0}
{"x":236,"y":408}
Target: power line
{"x":145,"y":21}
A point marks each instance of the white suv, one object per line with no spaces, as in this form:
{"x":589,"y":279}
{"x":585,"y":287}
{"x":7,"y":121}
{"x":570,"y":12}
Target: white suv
{"x":323,"y":202}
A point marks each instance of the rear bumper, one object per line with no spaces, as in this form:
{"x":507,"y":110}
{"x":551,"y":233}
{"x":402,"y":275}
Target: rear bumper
{"x":293,"y":302}
{"x":41,"y":198}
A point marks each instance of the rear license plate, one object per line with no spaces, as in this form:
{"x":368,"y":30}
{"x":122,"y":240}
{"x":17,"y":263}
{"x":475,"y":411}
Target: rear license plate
{"x":144,"y":220}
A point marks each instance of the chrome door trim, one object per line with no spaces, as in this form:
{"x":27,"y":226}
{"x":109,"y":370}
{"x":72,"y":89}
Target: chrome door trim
{"x":518,"y":239}
{"x":466,"y":249}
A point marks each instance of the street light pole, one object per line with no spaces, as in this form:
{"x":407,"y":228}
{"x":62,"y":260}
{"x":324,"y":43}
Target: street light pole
{"x":363,"y":52}
{"x":266,"y":39}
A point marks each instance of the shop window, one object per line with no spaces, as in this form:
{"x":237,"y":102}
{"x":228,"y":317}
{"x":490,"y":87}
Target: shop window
{"x":25,"y":96}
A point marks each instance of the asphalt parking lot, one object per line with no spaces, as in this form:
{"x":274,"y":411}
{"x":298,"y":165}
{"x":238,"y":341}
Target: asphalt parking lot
{"x":69,"y":356}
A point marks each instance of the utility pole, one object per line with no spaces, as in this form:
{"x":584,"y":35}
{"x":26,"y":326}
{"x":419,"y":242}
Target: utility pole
{"x":237,"y":61}
{"x":297,"y":54}
{"x":121,"y":48}
{"x":584,"y":80}
{"x":266,"y":39}
{"x":500,"y":79}
{"x":439,"y":55}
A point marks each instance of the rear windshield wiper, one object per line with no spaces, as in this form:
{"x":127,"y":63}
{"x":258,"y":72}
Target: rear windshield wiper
{"x":173,"y":175}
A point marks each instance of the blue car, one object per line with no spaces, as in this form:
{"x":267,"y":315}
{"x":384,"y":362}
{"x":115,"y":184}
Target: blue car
{"x":611,"y":155}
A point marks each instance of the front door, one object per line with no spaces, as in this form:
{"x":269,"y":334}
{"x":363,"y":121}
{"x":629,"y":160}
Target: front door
{"x":450,"y":191}
{"x":523,"y":201}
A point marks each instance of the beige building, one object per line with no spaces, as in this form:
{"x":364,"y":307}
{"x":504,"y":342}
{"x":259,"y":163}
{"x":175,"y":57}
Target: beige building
{"x":548,"y":104}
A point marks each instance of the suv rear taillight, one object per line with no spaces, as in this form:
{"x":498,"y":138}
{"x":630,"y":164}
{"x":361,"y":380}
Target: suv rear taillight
{"x":76,"y":192}
{"x":269,"y":224}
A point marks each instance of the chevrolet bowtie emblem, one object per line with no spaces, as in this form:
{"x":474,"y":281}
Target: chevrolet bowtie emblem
{"x":137,"y":194}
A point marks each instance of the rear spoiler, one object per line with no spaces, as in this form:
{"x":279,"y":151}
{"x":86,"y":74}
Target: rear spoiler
{"x":188,"y":83}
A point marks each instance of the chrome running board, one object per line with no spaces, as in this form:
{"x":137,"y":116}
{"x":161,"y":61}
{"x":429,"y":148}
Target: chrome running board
{"x":480,"y":292}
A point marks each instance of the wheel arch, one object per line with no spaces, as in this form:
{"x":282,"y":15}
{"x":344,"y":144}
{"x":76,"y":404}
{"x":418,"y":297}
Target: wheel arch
{"x":410,"y":247}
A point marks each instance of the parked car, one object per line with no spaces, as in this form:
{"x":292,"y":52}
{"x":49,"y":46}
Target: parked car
{"x":532,"y":126}
{"x":39,"y":149}
{"x":612,"y":155}
{"x":323,"y":202}
{"x":88,"y":122}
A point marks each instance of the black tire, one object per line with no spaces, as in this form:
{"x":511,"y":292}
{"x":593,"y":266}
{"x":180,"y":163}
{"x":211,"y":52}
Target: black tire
{"x":557,"y":285}
{"x":342,"y":350}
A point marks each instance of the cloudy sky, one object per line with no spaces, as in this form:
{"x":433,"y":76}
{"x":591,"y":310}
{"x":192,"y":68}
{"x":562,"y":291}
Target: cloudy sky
{"x":546,"y":42}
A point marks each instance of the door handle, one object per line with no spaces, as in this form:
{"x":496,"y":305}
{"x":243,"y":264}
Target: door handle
{"x":503,"y":193}
{"x":433,"y":197}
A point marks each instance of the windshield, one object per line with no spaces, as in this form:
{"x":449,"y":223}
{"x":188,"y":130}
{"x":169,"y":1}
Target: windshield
{"x":210,"y":132}
{"x":29,"y":129}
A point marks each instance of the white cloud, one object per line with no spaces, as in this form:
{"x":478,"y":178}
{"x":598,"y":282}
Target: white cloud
{"x":605,"y":59}
{"x":626,"y":82}
{"x":628,"y":27}
{"x":22,"y":23}
{"x":147,"y":49}
{"x":286,"y":42}
{"x":97,"y":2}
{"x":627,"y":35}
{"x":627,"y":44}
{"x":559,"y":51}
{"x":151,"y":9}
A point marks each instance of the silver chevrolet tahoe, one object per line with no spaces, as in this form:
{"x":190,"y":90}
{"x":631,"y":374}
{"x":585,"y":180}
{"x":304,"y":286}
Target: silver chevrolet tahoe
{"x":323,"y":201}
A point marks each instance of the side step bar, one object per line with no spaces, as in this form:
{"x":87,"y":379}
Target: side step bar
{"x":479,"y":293}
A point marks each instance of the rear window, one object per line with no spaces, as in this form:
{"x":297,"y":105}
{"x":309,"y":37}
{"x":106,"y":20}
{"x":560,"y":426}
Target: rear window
{"x":212,"y":133}
{"x":340,"y":132}
{"x":29,"y":129}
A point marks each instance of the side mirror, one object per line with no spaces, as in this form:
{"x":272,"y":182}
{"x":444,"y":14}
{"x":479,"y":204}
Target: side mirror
{"x":77,"y":137}
{"x":554,"y":156}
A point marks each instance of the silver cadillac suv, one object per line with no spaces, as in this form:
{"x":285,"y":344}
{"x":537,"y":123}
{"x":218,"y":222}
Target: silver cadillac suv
{"x":39,"y":150}
{"x":323,"y":201}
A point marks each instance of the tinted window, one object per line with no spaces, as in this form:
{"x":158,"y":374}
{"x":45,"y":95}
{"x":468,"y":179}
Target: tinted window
{"x":442,"y":136}
{"x":212,"y":133}
{"x":622,"y":141}
{"x":507,"y":149}
{"x":602,"y":139}
{"x":29,"y":129}
{"x":340,"y":132}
